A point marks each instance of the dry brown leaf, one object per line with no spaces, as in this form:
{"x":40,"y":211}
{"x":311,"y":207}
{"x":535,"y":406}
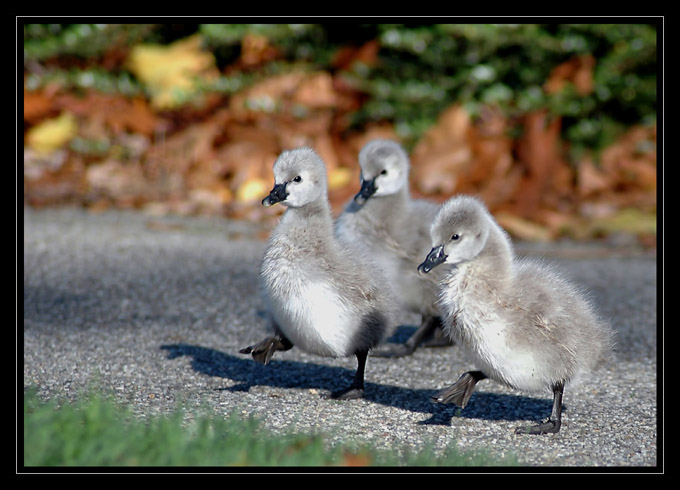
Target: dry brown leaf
{"x":37,"y":105}
{"x":450,"y":131}
{"x":501,"y":187}
{"x":323,"y":145}
{"x":578,"y":70}
{"x":491,"y":159}
{"x":316,"y":91}
{"x":439,"y":172}
{"x":590,"y":179}
{"x":255,"y":50}
{"x":265,"y":96}
{"x":443,"y":156}
{"x":538,"y":151}
{"x":177,"y":153}
{"x":293,"y":132}
{"x":366,"y":54}
{"x":115,"y":111}
{"x":250,"y":169}
{"x":639,"y":173}
{"x":628,"y":167}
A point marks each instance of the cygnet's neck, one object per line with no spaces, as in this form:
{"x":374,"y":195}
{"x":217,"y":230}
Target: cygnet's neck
{"x":315,"y":215}
{"x":388,"y":208}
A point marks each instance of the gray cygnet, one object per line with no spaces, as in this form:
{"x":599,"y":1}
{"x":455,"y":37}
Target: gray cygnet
{"x":522,"y":323}
{"x":323,"y":296}
{"x":394,"y":228}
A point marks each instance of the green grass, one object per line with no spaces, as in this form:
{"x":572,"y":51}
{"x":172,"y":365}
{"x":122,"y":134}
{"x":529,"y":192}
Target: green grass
{"x":98,"y":432}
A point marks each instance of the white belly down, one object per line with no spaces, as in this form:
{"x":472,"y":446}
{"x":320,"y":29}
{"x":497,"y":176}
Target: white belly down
{"x":313,"y":317}
{"x":485,"y":337}
{"x":517,"y":368}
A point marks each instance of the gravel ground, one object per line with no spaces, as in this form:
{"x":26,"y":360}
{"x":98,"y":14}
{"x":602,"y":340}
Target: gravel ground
{"x":155,"y":309}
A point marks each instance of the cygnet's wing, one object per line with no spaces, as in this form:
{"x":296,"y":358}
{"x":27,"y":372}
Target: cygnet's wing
{"x":363,"y":279}
{"x":561,"y":311}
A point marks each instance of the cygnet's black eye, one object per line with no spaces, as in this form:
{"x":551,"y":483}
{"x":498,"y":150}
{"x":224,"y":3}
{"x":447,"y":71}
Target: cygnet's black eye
{"x":297,"y":179}
{"x":455,"y":237}
{"x":384,"y":172}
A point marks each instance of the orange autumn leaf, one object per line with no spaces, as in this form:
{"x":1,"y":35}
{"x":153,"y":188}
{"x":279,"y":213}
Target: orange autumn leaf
{"x":538,"y":150}
{"x":256,"y":50}
{"x":590,"y":179}
{"x":37,"y":105}
{"x":116,"y":111}
{"x":578,"y":70}
{"x":347,"y":56}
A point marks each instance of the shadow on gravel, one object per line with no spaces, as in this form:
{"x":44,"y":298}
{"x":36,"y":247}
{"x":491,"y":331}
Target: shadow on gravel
{"x":293,"y":374}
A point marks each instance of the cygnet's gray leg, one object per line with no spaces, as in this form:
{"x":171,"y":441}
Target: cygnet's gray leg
{"x":429,"y":327}
{"x":264,"y":350}
{"x":356,"y":389}
{"x":459,"y":392}
{"x":554,"y":422}
{"x":436,"y":337}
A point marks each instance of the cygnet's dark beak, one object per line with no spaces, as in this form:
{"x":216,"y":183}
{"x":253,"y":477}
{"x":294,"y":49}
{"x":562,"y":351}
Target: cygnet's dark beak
{"x":277,"y":194}
{"x":433,"y":259}
{"x":367,"y":190}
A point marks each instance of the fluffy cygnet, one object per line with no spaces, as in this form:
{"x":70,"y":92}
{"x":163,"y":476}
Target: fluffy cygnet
{"x":323,"y":296}
{"x":393,"y":229}
{"x":523,"y":324}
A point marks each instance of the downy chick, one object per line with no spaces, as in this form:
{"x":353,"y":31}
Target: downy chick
{"x":323,"y":296}
{"x":393,"y":228}
{"x":523,"y":324}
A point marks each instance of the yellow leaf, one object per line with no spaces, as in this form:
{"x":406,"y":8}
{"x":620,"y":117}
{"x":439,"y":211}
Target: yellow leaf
{"x":52,"y":133}
{"x":628,"y":220}
{"x":252,"y":190}
{"x":339,"y":177}
{"x":169,"y":70}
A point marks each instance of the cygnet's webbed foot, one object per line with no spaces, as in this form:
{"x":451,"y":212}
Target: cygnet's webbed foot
{"x":459,"y":392}
{"x":263,"y":351}
{"x":356,"y":389}
{"x":554,"y":422}
{"x":547,"y":427}
{"x":429,"y":334}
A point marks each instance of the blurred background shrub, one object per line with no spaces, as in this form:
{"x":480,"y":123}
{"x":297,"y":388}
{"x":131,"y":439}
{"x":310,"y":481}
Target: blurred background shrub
{"x":576,"y":89}
{"x":603,"y":75}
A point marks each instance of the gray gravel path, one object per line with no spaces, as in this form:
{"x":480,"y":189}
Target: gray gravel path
{"x":155,"y":309}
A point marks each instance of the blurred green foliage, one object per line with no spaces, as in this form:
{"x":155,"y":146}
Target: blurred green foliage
{"x":421,"y":68}
{"x":96,"y":431}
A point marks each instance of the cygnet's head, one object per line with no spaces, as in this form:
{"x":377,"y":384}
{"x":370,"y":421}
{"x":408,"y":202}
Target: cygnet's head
{"x":384,"y":169}
{"x":299,"y":178}
{"x":459,"y":232}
